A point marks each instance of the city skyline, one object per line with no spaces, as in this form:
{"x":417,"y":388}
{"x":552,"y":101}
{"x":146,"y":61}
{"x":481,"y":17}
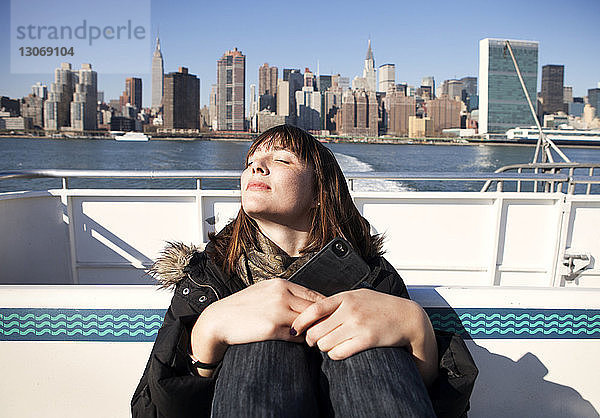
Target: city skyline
{"x":444,"y":46}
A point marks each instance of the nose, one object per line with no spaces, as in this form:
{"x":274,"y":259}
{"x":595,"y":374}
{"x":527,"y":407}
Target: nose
{"x":259,"y":167}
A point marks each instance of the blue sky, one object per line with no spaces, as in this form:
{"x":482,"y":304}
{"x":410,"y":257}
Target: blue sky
{"x":439,"y":38}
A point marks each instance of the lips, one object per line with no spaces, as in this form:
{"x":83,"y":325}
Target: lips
{"x":257,"y":185}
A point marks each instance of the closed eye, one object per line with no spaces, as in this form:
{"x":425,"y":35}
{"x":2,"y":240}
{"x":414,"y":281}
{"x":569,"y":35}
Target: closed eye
{"x":282,"y":161}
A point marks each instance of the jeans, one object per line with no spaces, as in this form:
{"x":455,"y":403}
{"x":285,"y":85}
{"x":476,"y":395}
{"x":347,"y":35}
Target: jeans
{"x":283,"y":379}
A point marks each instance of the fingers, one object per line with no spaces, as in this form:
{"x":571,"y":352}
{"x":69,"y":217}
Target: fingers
{"x":347,"y":348}
{"x":316,"y":311}
{"x":304,"y":292}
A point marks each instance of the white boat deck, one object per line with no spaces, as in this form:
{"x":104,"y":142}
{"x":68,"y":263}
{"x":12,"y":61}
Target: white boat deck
{"x":490,"y":266}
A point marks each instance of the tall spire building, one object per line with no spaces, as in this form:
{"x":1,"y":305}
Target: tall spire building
{"x":369,"y":72}
{"x":157,"y":77}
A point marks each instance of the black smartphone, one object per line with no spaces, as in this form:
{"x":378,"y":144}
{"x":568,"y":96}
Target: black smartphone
{"x":336,"y":268}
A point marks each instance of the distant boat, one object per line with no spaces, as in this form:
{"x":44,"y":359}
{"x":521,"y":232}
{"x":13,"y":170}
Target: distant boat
{"x":561,"y":135}
{"x":129,"y":136}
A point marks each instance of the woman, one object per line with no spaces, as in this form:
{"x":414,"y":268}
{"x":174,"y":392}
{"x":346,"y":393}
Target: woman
{"x":239,"y":339}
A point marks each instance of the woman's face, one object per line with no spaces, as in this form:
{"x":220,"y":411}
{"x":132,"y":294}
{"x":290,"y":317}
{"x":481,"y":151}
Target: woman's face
{"x":278,"y":187}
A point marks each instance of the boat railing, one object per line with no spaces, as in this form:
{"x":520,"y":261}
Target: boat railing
{"x":544,"y":177}
{"x":585,"y":174}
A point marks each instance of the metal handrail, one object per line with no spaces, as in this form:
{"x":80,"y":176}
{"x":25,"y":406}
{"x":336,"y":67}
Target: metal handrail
{"x":235,"y":174}
{"x":66,"y":174}
{"x":555,"y":168}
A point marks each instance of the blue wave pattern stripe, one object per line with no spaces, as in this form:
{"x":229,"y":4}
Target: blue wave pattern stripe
{"x":142,"y":325}
{"x":109,"y":325}
{"x":491,"y":323}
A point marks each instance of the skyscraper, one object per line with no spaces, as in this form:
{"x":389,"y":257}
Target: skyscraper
{"x":387,"y":77}
{"x":444,"y":113}
{"x":181,"y":102}
{"x":308,"y":104}
{"x":157,"y":77}
{"x":502,"y":103}
{"x":359,"y":113}
{"x":296,"y":82}
{"x":231,"y":98}
{"x":212,"y":106}
{"x":553,"y":77}
{"x":398,"y":109}
{"x":133,"y":92}
{"x":57,"y":109}
{"x":40,"y":90}
{"x":267,"y":80}
{"x":85,"y":100}
{"x":469,"y":92}
{"x":369,"y":72}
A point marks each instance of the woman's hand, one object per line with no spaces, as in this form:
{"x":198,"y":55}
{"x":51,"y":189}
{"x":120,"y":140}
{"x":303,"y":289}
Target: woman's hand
{"x":350,"y":322}
{"x":263,"y":311}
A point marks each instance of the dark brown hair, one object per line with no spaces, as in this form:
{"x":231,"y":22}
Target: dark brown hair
{"x":334,"y":215}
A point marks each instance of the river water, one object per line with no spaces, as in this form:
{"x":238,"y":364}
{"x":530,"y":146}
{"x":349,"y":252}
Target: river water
{"x":25,"y":153}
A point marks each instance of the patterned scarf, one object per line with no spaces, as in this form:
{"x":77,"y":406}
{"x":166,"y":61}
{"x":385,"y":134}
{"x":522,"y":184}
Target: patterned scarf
{"x":268,"y":261}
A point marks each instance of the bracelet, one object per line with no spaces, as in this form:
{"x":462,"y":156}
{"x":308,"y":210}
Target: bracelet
{"x":200,"y":365}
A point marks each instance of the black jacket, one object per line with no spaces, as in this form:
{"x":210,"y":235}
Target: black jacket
{"x":168,"y":388}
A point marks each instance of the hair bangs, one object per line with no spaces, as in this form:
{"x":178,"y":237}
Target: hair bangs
{"x":286,"y":137}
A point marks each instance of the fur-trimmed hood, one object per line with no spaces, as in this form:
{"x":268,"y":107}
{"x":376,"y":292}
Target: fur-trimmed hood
{"x":172,"y":264}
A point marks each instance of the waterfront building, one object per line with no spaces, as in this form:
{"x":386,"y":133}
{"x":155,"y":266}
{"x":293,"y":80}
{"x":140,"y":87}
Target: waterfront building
{"x":57,"y":109}
{"x":387,"y":77}
{"x":14,"y":123}
{"x":84,"y":106}
{"x":40,"y":90}
{"x":231,"y":86}
{"x":157,"y":77}
{"x":429,"y":81}
{"x":419,"y":127}
{"x":181,"y":100}
{"x":502,"y":103}
{"x":594,"y":100}
{"x":32,"y":107}
{"x":308,"y":104}
{"x":444,"y":113}
{"x":397,"y":110}
{"x":553,"y":89}
{"x":359,"y":113}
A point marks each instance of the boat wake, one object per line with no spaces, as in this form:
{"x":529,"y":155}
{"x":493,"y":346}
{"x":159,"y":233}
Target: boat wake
{"x":349,"y":163}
